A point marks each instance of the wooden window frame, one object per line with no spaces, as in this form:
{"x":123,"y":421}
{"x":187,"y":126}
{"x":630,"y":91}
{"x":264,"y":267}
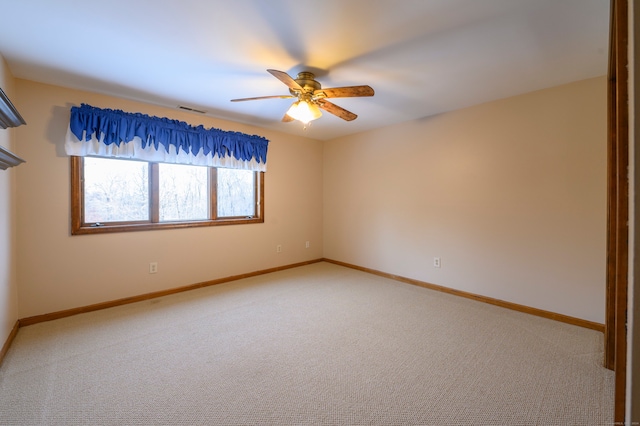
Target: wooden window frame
{"x":79,"y":227}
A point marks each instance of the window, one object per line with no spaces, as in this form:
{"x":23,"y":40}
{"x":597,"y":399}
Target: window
{"x":114,"y":195}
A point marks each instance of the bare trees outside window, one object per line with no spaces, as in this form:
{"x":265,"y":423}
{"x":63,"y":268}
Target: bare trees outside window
{"x":184,"y":192}
{"x":115,"y":190}
{"x":236,"y":193}
{"x":114,"y":195}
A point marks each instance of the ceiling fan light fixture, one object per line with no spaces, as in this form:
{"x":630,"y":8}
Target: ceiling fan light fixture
{"x":304,"y":111}
{"x":312,"y":97}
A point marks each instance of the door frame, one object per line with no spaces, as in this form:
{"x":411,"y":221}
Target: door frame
{"x":617,"y":269}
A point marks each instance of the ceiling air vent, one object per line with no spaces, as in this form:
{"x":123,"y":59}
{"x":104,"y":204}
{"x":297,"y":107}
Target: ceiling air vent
{"x":186,"y":108}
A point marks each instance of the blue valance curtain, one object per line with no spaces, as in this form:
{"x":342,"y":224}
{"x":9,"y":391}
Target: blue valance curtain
{"x":115,"y":133}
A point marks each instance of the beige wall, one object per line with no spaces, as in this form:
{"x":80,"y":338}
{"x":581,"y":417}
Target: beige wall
{"x":8,"y":281}
{"x":57,"y":271}
{"x":510,"y":194}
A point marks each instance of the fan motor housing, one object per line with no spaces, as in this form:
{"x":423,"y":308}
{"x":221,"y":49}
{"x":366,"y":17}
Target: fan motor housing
{"x":307,"y":81}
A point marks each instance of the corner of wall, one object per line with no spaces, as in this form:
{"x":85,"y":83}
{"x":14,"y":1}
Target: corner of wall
{"x":8,"y":274}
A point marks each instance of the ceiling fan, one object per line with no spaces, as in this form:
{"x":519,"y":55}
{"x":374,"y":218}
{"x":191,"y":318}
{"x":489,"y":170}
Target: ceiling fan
{"x":312,"y":97}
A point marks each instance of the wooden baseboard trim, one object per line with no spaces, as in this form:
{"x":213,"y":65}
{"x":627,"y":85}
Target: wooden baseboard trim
{"x":133,"y":299}
{"x":513,"y":306}
{"x":105,"y":305}
{"x":9,"y":341}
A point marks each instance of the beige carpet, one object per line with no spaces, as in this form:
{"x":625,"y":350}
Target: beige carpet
{"x":315,"y":345}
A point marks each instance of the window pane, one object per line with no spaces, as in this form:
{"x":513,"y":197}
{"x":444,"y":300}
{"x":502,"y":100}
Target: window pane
{"x":115,"y":190}
{"x":236,"y":193}
{"x":183,"y":192}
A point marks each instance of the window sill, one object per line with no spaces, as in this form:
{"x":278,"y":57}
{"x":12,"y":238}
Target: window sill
{"x":109,"y":228}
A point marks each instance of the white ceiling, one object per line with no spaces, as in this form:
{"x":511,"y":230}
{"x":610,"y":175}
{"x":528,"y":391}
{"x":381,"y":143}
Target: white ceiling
{"x":422,"y":57}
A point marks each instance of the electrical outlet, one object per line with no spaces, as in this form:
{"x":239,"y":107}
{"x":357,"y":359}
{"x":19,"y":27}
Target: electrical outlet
{"x":436,"y":262}
{"x":307,"y":245}
{"x":153,"y":267}
{"x":279,"y":248}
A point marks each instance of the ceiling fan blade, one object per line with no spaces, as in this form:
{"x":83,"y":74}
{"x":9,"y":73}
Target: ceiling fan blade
{"x":286,"y":79}
{"x":263,"y":97}
{"x":337,"y":111}
{"x":287,"y":119}
{"x":344,"y":92}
